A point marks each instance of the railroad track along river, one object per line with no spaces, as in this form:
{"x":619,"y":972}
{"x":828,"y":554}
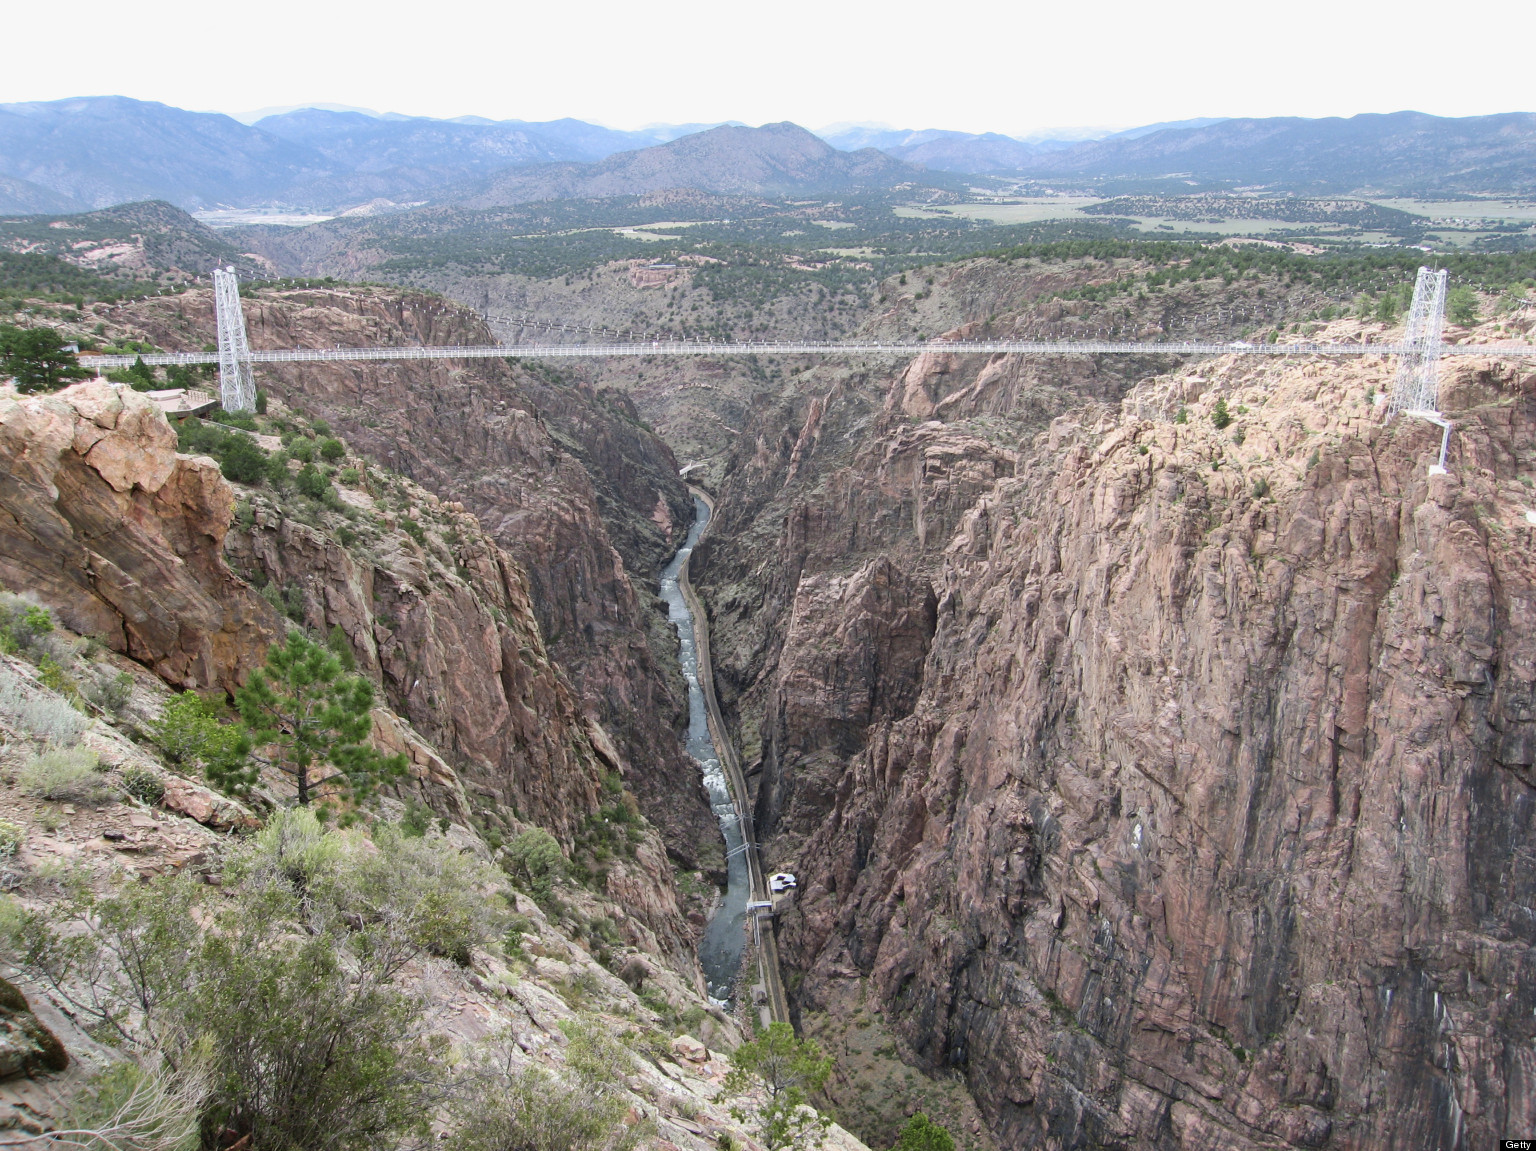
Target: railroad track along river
{"x":776,"y":1007}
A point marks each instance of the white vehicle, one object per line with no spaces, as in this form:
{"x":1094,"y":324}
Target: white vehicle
{"x":781,"y":882}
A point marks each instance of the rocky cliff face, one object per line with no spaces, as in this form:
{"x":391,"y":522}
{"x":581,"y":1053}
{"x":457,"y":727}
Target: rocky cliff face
{"x":107,"y":524}
{"x":1167,"y":782}
{"x":131,"y":542}
{"x":564,"y":478}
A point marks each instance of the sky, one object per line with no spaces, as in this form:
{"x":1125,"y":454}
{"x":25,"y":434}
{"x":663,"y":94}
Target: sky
{"x":1010,"y":66}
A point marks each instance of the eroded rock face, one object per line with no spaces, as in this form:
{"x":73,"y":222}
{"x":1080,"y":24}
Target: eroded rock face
{"x":561,"y":477}
{"x":106,"y":524}
{"x":453,"y":643}
{"x":1203,"y":828}
{"x":26,"y":1046}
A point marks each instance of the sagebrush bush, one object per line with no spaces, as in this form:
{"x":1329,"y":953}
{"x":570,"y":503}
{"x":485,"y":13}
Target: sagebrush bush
{"x":12,"y":836}
{"x":528,"y":1109}
{"x":289,"y":984}
{"x":38,"y":713}
{"x":65,"y":773}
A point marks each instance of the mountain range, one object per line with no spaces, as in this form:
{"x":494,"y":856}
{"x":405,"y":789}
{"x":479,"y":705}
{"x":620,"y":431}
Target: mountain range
{"x":91,"y":152}
{"x":729,"y":161}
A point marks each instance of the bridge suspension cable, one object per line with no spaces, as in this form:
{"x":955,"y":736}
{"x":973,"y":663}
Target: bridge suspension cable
{"x":1415,"y":390}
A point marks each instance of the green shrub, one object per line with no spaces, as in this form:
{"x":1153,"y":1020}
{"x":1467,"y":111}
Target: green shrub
{"x":290,"y":1007}
{"x":1182,"y":417}
{"x":512,"y":938}
{"x":63,"y":774}
{"x":311,"y":483}
{"x":1461,"y":306}
{"x":277,"y":471}
{"x":594,"y":1054}
{"x":22,"y":624}
{"x":350,"y":476}
{"x":320,"y":427}
{"x":1219,"y":414}
{"x":302,"y":450}
{"x":242,"y":460}
{"x":527,"y":1109}
{"x":341,"y":647}
{"x":923,"y":1134}
{"x":143,"y":784}
{"x":12,"y":836}
{"x":331,"y":449}
{"x":535,"y":861}
{"x":414,"y":530}
{"x":190,"y":735}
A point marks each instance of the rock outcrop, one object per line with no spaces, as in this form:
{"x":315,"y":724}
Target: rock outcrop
{"x":27,"y":1047}
{"x":1196,"y":822}
{"x":128,"y":541}
{"x":123,"y":537}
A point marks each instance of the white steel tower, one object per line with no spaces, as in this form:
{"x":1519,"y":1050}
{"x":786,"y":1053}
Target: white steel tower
{"x":237,"y":379}
{"x":1416,"y":391}
{"x":1417,"y":388}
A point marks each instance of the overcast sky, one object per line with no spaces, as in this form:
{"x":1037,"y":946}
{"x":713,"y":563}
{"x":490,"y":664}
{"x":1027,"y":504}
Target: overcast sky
{"x":996,"y":65}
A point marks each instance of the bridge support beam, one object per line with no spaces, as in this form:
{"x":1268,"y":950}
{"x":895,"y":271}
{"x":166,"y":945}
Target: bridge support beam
{"x":237,"y":378}
{"x":1416,"y":390}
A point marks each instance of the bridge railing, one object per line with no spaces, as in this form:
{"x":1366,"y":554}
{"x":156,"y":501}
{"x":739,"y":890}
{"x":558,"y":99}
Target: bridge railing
{"x":813,"y":348}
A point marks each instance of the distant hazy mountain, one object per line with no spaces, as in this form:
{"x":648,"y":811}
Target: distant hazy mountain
{"x":1161,"y":126}
{"x":1402,"y":153}
{"x":938,"y":149}
{"x":24,"y":196}
{"x":105,"y":150}
{"x":978,"y":152}
{"x":465,"y":147}
{"x":97,"y":151}
{"x":729,"y":160}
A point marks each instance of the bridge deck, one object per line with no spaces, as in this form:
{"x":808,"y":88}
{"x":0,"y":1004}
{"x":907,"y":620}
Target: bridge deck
{"x":813,"y":348}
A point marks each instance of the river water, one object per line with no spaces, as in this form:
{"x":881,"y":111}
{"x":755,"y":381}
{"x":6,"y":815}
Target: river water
{"x":725,"y":934}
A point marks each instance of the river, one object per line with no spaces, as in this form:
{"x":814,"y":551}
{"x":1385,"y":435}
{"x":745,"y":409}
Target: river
{"x":725,"y":934}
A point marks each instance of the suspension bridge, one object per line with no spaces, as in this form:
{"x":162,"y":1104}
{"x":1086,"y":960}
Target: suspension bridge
{"x":1415,"y":391}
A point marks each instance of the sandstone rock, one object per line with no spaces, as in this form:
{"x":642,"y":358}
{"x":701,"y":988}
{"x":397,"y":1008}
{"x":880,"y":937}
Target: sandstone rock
{"x":122,"y":537}
{"x":205,"y":806}
{"x":689,"y":1048}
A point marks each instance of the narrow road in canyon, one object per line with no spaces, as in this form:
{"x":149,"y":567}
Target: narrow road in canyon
{"x":763,"y":931}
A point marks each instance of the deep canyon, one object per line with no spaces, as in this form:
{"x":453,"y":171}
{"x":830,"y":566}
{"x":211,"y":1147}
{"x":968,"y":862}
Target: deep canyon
{"x":1152,"y":781}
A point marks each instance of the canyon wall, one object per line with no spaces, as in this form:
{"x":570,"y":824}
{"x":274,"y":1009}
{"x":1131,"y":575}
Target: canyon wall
{"x":1171,"y":783}
{"x":563,"y":477}
{"x":139,"y":546}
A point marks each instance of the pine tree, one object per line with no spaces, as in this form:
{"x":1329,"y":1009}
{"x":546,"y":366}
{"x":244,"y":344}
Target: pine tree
{"x":37,"y":358}
{"x":312,"y":714}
